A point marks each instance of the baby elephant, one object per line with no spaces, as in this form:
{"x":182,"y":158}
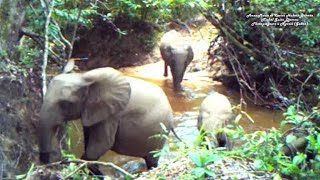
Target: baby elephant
{"x":215,"y":113}
{"x":176,"y":54}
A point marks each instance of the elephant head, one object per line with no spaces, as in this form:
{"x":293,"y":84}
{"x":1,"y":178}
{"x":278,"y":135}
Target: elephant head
{"x":176,"y":54}
{"x":118,"y":113}
{"x":215,"y":113}
{"x":93,"y":96}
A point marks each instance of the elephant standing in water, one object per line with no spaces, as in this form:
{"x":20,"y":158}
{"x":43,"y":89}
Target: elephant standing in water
{"x":215,"y":113}
{"x":117,"y":112}
{"x":176,"y":54}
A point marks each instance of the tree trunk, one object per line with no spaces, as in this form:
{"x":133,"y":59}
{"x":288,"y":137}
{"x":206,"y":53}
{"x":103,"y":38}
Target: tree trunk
{"x":11,"y":18}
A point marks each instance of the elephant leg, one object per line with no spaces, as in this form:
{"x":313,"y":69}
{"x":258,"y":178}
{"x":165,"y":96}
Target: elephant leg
{"x":98,"y":139}
{"x":176,"y":84}
{"x":223,"y":140}
{"x":86,"y":136}
{"x":165,"y":69}
{"x":151,"y":161}
{"x":94,"y":169}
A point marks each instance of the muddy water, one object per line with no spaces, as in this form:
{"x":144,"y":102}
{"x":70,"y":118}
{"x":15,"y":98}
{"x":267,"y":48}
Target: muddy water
{"x":196,"y":86}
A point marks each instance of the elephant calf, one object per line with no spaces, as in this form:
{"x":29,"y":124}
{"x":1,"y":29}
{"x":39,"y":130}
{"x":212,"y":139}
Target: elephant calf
{"x":215,"y":112}
{"x":117,"y":112}
{"x":175,"y":54}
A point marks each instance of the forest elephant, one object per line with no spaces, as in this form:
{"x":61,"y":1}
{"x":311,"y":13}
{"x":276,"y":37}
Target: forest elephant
{"x":117,"y":113}
{"x":176,"y":54}
{"x":215,"y":113}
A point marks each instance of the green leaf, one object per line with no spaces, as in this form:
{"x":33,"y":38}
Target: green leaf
{"x":22,"y":176}
{"x":211,"y":158}
{"x":210,"y":173}
{"x":277,"y":177}
{"x":283,"y":123}
{"x":199,"y":172}
{"x":26,"y":176}
{"x":298,"y":159}
{"x":195,"y":157}
{"x":270,"y":167}
{"x":290,"y":111}
{"x":290,"y":138}
{"x":318,"y":139}
{"x":258,"y":164}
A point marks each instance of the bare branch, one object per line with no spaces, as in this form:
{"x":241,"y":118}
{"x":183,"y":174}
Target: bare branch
{"x":65,"y":41}
{"x":74,"y":32}
{"x":302,"y":86}
{"x":83,"y":163}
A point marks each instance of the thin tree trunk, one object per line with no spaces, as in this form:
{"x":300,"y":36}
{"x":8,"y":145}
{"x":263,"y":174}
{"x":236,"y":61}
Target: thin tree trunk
{"x":74,"y":32}
{"x":70,"y":62}
{"x":48,"y":6}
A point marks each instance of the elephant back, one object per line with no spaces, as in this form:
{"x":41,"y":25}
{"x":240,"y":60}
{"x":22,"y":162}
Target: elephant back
{"x":173,"y":46}
{"x":147,"y":96}
{"x":215,"y":112}
{"x":147,"y":108}
{"x":170,"y":37}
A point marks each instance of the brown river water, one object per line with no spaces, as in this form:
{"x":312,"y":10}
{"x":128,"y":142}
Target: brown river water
{"x":196,"y":87}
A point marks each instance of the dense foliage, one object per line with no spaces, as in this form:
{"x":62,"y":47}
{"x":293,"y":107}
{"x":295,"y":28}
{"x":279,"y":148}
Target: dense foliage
{"x":279,"y":152}
{"x":69,"y":17}
{"x":271,"y":48}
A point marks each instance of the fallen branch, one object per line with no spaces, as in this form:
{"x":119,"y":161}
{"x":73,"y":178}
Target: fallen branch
{"x":76,"y":170}
{"x":83,"y":163}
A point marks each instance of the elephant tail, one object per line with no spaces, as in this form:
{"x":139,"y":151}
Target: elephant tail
{"x":175,"y":134}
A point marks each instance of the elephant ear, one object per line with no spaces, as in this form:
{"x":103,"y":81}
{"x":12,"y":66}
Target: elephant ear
{"x":190,"y":53}
{"x":108,"y":93}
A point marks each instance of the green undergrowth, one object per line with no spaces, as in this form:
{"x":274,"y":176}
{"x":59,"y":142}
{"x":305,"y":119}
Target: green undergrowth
{"x":263,"y":150}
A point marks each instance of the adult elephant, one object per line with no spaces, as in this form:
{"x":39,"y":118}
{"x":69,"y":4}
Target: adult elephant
{"x":117,"y":112}
{"x":215,"y":113}
{"x":176,"y":54}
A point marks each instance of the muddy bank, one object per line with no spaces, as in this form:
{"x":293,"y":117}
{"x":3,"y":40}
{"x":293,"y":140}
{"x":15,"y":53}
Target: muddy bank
{"x":105,"y":45}
{"x":19,"y":105}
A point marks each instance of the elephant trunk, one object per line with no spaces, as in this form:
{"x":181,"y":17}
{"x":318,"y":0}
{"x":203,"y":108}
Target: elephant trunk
{"x":45,"y":142}
{"x":50,"y":119}
{"x":176,"y":84}
{"x":177,"y":74}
